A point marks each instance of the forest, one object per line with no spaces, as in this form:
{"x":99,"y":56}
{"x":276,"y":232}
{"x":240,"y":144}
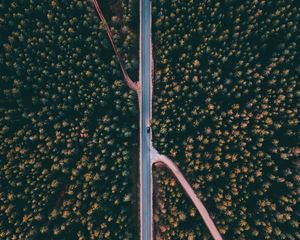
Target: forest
{"x":68,"y":123}
{"x":226,"y":111}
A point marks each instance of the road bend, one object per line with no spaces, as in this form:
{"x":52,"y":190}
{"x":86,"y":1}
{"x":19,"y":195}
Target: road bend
{"x":146,"y":229}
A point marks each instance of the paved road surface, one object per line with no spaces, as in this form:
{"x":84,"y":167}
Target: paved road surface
{"x":145,"y":113}
{"x":145,"y":102}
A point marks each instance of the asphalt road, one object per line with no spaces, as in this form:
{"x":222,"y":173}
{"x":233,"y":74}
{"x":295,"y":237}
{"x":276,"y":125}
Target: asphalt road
{"x":145,"y":112}
{"x":145,"y":103}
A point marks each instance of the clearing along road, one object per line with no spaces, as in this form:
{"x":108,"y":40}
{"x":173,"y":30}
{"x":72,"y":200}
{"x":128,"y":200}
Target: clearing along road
{"x":145,"y":76}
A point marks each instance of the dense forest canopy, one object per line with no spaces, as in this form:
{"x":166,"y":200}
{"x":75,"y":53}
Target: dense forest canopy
{"x":68,"y":123}
{"x":226,"y":110}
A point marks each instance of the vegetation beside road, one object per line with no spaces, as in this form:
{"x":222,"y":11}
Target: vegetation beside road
{"x":69,"y":124}
{"x":225,"y":109}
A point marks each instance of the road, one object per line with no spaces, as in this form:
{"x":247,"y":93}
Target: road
{"x":146,"y":229}
{"x":163,"y":160}
{"x":149,"y":155}
{"x":132,"y":85}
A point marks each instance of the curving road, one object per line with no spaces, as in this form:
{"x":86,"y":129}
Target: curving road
{"x":145,"y":116}
{"x":163,"y":160}
{"x":132,"y":85}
